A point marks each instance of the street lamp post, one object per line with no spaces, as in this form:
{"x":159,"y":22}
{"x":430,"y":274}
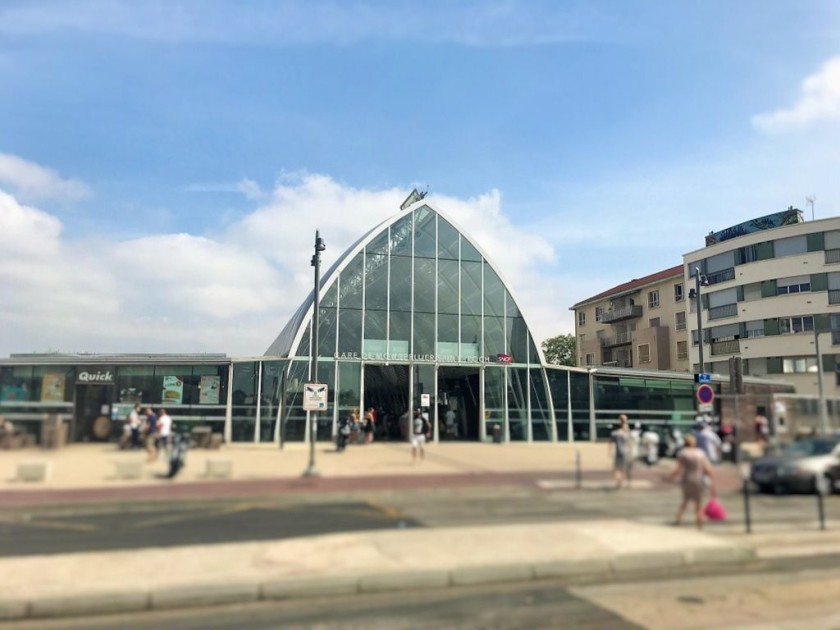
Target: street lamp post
{"x":699,"y":281}
{"x":822,"y":403}
{"x":311,"y":469}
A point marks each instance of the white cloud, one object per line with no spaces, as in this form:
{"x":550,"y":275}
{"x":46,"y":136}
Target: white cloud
{"x":245,"y":186}
{"x":32,"y":181}
{"x":819,"y":101}
{"x":229,"y":293}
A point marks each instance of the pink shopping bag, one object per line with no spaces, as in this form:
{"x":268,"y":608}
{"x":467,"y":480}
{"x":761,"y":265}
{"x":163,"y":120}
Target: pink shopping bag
{"x":714,"y":510}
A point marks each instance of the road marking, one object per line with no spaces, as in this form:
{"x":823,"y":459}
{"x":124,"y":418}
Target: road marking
{"x":59,"y":525}
{"x":567,"y":484}
{"x":387,"y":510}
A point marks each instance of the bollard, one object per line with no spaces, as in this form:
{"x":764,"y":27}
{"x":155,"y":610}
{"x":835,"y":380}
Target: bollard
{"x":578,"y":474}
{"x":821,"y":488}
{"x":747,"y":519}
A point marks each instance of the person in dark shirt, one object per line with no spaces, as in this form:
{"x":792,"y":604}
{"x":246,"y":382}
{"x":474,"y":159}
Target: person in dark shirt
{"x":151,"y":434}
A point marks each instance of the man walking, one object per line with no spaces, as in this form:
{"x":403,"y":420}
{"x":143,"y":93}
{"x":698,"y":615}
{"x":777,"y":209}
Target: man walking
{"x":419,"y":431}
{"x":709,"y":442}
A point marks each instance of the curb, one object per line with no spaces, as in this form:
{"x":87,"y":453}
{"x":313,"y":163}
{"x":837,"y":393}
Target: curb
{"x":244,"y":592}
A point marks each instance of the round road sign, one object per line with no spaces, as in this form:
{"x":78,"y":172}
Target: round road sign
{"x":705,"y":394}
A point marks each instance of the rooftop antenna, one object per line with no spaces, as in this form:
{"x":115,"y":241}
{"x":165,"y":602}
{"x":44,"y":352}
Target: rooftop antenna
{"x":811,"y":201}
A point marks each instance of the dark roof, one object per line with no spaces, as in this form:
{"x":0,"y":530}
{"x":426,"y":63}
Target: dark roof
{"x":634,"y":284}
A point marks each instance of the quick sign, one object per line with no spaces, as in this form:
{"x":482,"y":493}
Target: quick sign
{"x":95,"y":377}
{"x":314,"y":397}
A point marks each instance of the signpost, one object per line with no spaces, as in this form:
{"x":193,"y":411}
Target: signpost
{"x":703,"y":378}
{"x":705,"y":394}
{"x":314,"y":397}
{"x":425,"y":400}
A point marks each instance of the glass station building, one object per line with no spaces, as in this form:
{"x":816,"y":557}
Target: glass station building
{"x":413,"y":314}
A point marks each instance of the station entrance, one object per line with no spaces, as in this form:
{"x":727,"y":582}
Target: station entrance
{"x":459,"y":403}
{"x":386,"y":390}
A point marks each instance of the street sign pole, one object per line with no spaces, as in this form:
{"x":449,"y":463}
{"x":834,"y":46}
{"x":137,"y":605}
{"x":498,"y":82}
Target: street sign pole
{"x":311,"y":469}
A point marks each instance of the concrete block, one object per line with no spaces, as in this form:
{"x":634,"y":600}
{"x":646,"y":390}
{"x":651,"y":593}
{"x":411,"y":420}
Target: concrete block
{"x":403,"y":581}
{"x":81,"y":605}
{"x":207,"y":595}
{"x":219,"y":468}
{"x":129,"y":469}
{"x":463,"y":576}
{"x":310,"y":587}
{"x":13,"y":609}
{"x":568,"y":568}
{"x":647,"y":561}
{"x":33,"y":471}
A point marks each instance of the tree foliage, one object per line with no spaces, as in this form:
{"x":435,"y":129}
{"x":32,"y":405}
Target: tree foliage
{"x":560,"y":350}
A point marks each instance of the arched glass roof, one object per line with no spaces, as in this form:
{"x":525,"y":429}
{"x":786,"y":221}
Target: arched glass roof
{"x":416,"y":287}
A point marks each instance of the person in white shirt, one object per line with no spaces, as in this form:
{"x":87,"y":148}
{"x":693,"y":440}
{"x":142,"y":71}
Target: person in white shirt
{"x":164,"y":429}
{"x":134,"y":425}
{"x":650,"y":446}
{"x":709,"y":442}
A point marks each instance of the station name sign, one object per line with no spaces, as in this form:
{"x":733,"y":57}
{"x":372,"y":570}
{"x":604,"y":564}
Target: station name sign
{"x":431,"y":358}
{"x":95,"y":376}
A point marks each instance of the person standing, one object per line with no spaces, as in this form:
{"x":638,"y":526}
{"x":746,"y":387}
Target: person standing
{"x":450,"y":422}
{"x":619,"y":448}
{"x":134,"y":425}
{"x":419,"y":431}
{"x":650,"y":446}
{"x":165,"y":430}
{"x":151,"y":434}
{"x":693,"y":469}
{"x":370,"y":425}
{"x":709,"y":442}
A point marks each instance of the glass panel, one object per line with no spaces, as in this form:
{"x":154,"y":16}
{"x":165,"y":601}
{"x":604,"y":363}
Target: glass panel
{"x":293,"y":425}
{"x":424,"y":334}
{"x":517,"y":339}
{"x":375,"y":333}
{"x":400,"y":284}
{"x":471,"y":288}
{"x":448,"y":286}
{"x":494,"y":292}
{"x":330,"y":296}
{"x":559,"y":386}
{"x":378,"y":245}
{"x":424,"y":233}
{"x":401,"y":236}
{"x":327,"y":329}
{"x":494,"y":398}
{"x":351,"y":283}
{"x":518,"y":403}
{"x":350,"y":332}
{"x":376,"y":282}
{"x":400,"y":335}
{"x":540,"y":413}
{"x":349,"y":387}
{"x":512,"y":309}
{"x":447,"y":351}
{"x":448,"y":238}
{"x":270,"y":399}
{"x":424,"y":383}
{"x":468,"y":251}
{"x":244,"y":410}
{"x":326,"y":374}
{"x":448,"y":328}
{"x":303,"y":349}
{"x":470,"y":337}
{"x":424,"y":285}
{"x":494,"y":336}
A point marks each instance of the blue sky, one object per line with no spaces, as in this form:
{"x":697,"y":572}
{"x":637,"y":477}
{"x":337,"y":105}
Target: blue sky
{"x":163,"y":165}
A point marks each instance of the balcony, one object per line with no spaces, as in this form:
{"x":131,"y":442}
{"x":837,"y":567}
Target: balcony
{"x":730,"y":346}
{"x":832,"y":256}
{"x":721,"y":276}
{"x":727,"y":310}
{"x":620,"y":339}
{"x":619,"y":314}
{"x":834,"y":296}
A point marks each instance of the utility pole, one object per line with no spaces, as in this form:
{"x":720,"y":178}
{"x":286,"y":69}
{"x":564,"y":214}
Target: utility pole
{"x":699,"y":280}
{"x":311,"y":469}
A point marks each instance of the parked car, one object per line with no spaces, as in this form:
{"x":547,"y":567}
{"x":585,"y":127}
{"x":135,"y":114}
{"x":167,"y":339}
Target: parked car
{"x":797,"y":466}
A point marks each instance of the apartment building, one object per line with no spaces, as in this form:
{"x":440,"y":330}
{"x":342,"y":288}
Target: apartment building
{"x":640,"y":324}
{"x":772,"y":297}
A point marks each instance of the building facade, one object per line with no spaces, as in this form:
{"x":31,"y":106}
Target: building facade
{"x":637,"y":324}
{"x":771,"y":295}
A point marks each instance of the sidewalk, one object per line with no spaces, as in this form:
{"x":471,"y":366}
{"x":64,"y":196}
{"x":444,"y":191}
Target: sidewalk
{"x":364,"y":562}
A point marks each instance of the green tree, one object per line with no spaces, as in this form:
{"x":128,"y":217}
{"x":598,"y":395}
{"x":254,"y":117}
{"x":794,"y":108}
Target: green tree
{"x":560,"y":350}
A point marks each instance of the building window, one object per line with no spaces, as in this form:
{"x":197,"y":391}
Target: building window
{"x":653,"y":322}
{"x":653,"y":299}
{"x":755,"y":328}
{"x":747,"y":254}
{"x":678,"y":292}
{"x":799,"y":365}
{"x":581,"y":318}
{"x":590,"y":359}
{"x":790,"y":246}
{"x":644,"y":353}
{"x":680,"y":320}
{"x":598,"y":313}
{"x":798,"y":284}
{"x":682,"y":350}
{"x":796,"y":324}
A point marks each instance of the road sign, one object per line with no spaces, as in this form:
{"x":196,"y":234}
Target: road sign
{"x":705,"y":407}
{"x":703,"y":378}
{"x":705,"y":394}
{"x":425,"y":400}
{"x":314,"y":397}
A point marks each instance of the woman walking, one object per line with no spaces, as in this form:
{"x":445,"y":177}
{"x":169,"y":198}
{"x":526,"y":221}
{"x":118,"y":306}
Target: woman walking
{"x":693,"y":468}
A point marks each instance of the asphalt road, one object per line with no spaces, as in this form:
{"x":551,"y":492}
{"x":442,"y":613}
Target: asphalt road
{"x":139,"y":525}
{"x":790,"y":594}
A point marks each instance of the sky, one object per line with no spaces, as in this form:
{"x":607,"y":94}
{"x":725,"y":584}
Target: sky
{"x":164,"y":164}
